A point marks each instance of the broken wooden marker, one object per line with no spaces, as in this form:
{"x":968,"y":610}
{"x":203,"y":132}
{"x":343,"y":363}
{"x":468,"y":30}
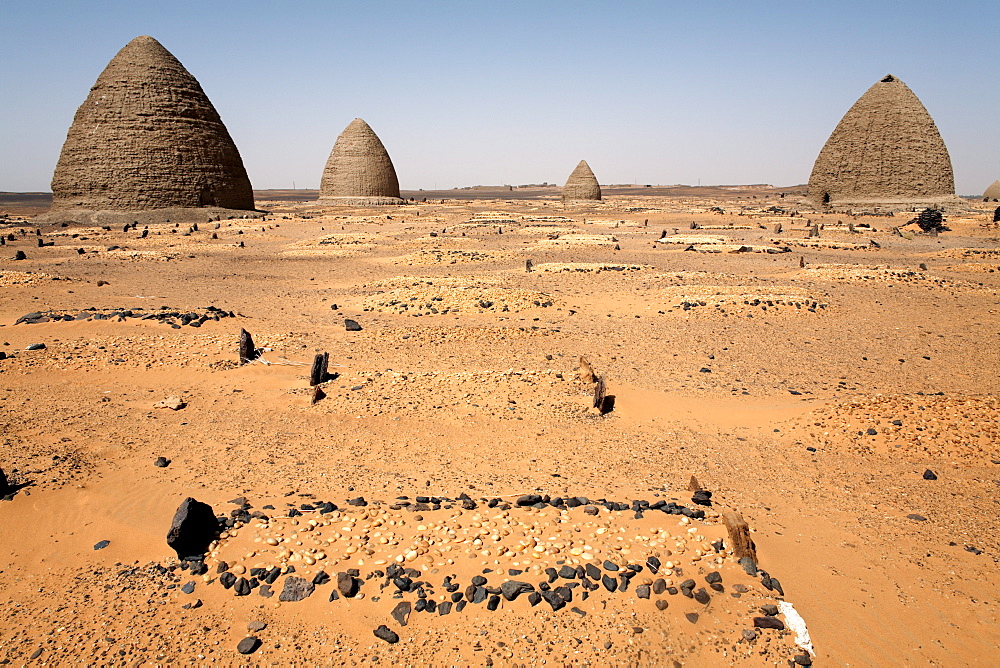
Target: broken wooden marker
{"x":586,"y":371}
{"x":319,"y":367}
{"x":739,"y":536}
{"x":603,"y":402}
{"x":248,"y":352}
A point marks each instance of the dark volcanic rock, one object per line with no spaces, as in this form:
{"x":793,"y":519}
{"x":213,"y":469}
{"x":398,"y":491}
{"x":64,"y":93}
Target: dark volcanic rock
{"x":383,"y":632}
{"x":351,"y":325}
{"x":929,"y":475}
{"x":768,"y":623}
{"x":512,"y":589}
{"x":296,"y":589}
{"x":102,"y":544}
{"x":194,"y":526}
{"x":401,"y":613}
{"x":642,"y":591}
{"x":162,"y":462}
{"x":347,"y":584}
{"x":248,"y":645}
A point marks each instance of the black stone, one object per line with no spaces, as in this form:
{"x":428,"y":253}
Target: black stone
{"x":512,"y":589}
{"x":227,"y":580}
{"x":702,"y":497}
{"x":555,"y":600}
{"x":383,"y":632}
{"x":351,"y":325}
{"x":769,"y":609}
{"x":272,"y":574}
{"x":534,"y":598}
{"x":401,"y":613}
{"x":444,"y":608}
{"x":768,"y":623}
{"x":593,"y":572}
{"x":610,"y":566}
{"x":321,"y":578}
{"x":243,"y":588}
{"x":359,"y":501}
{"x":347,"y":584}
{"x":162,"y":462}
{"x":248,"y":645}
{"x":653,"y":564}
{"x":642,"y":591}
{"x":713,"y":577}
{"x":193,"y":528}
{"x":930,"y":475}
{"x":702,"y":596}
{"x":296,"y":589}
{"x":659,"y":586}
{"x":102,"y":544}
{"x":566,"y":593}
{"x":188,"y":587}
{"x":567,"y":573}
{"x":610,"y":583}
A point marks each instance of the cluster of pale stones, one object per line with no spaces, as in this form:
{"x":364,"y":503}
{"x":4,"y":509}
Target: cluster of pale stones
{"x":525,"y":538}
{"x":148,"y":138}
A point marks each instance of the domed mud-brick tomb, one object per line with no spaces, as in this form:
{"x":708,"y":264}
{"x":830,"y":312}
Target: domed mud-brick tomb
{"x":581,"y":185}
{"x":992,"y":193}
{"x":359,"y":171}
{"x":885,"y":152}
{"x":148,"y":138}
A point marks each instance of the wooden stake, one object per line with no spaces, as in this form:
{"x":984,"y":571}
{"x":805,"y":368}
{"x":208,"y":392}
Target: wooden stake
{"x":319,"y":367}
{"x":739,"y":535}
{"x":247,"y":349}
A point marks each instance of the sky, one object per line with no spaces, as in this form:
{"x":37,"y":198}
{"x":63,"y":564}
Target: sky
{"x":469,"y":93}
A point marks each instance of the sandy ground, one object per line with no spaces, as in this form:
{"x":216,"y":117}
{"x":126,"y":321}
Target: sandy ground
{"x":807,"y":386}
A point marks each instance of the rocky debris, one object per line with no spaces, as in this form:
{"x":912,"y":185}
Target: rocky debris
{"x":165,"y":315}
{"x":102,"y":544}
{"x":296,"y":589}
{"x":930,"y":475}
{"x":35,"y":346}
{"x":383,"y":632}
{"x":171,"y":402}
{"x":193,"y":528}
{"x":161,"y":462}
{"x":256,"y":626}
{"x":248,"y":645}
{"x":351,"y":325}
{"x":768,"y":623}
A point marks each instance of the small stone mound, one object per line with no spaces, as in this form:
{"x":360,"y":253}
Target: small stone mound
{"x":433,"y":296}
{"x":26,"y":278}
{"x":587,"y":267}
{"x":432,"y":256}
{"x":739,"y":300}
{"x":340,"y":245}
{"x":599,"y":240}
{"x":919,"y":429}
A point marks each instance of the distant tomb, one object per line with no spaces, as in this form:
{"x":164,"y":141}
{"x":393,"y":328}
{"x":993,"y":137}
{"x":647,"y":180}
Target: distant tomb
{"x":886,"y":152}
{"x":359,"y":171}
{"x":581,"y":185}
{"x":147,"y":138}
{"x":992,"y":194}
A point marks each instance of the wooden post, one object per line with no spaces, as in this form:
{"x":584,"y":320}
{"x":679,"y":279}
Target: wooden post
{"x":802,"y":261}
{"x":247,"y":349}
{"x":319,"y":366}
{"x":739,"y":535}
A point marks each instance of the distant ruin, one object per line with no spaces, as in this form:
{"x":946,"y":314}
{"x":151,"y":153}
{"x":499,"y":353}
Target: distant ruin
{"x":992,"y":194}
{"x":581,"y":185}
{"x":886,"y":152}
{"x":147,"y":138}
{"x":359,"y":171}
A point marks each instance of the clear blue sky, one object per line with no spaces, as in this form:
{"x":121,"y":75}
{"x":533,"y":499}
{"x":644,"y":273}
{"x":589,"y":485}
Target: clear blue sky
{"x":465,"y":93}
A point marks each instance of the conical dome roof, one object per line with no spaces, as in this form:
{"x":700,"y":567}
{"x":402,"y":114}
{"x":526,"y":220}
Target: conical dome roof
{"x":147,"y":137}
{"x":992,"y":193}
{"x":359,"y":171}
{"x":886,"y":149}
{"x":581,"y":184}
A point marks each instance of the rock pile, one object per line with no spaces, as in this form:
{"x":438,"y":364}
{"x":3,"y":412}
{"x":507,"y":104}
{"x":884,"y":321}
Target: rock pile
{"x":173,"y":317}
{"x":885,"y":152}
{"x":148,"y":138}
{"x":359,"y":171}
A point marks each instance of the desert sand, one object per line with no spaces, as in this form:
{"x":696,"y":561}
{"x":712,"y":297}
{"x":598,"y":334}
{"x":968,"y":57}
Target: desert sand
{"x":839,"y":392}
